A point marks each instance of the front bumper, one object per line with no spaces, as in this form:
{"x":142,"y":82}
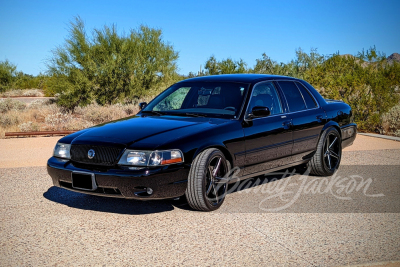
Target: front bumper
{"x":166,"y":181}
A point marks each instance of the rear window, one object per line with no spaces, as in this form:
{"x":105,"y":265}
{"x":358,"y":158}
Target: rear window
{"x":310,"y":102}
{"x":293,"y":96}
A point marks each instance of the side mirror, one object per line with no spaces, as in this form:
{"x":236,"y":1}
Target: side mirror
{"x":142,"y":105}
{"x":259,"y":112}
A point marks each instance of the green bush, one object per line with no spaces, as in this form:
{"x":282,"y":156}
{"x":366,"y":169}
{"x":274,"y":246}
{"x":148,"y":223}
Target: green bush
{"x":366,"y":81}
{"x":107,"y":67}
{"x":368,"y":85}
{"x":7,"y":75}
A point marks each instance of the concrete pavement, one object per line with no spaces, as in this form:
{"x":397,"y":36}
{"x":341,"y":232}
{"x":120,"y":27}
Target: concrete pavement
{"x":44,"y":225}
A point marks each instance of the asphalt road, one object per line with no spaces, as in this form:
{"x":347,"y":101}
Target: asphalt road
{"x":297,"y":220}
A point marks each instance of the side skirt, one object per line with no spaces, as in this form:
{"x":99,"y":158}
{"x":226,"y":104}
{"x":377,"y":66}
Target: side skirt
{"x":268,"y":171}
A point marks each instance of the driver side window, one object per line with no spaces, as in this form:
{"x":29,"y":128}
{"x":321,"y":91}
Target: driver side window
{"x":265,"y":95}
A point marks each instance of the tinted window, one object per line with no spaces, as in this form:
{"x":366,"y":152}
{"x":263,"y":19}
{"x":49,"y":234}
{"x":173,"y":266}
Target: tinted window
{"x":293,"y":96}
{"x":265,"y":95}
{"x":173,"y":101}
{"x":307,"y":97}
{"x":220,"y":99}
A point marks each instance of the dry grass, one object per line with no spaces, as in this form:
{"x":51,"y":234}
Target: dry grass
{"x":44,"y":115}
{"x":23,"y":92}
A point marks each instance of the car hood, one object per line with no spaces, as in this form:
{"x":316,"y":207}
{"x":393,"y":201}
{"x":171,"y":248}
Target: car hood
{"x":134,"y":129}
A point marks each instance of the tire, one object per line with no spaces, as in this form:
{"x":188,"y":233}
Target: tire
{"x":326,"y":159}
{"x":206,"y":191}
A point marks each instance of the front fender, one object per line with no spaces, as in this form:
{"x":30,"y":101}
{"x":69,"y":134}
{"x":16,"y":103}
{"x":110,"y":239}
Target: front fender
{"x":228,"y":155}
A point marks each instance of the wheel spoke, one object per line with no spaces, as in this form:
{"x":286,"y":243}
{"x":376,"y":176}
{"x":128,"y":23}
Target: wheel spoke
{"x":221,"y":180}
{"x":209,"y":188}
{"x":334,"y":154}
{"x":334,"y":140}
{"x":329,"y":161}
{"x":216,"y":169}
{"x":215,"y":193}
{"x":210,"y":170}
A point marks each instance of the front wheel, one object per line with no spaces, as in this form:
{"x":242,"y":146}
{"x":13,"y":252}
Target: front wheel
{"x":207,"y":184}
{"x":326,"y":159}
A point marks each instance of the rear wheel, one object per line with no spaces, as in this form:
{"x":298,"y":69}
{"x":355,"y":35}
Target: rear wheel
{"x":326,"y":159}
{"x":207,"y":185}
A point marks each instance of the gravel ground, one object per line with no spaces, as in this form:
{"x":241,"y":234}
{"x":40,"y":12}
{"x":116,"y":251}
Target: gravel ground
{"x":43,"y":225}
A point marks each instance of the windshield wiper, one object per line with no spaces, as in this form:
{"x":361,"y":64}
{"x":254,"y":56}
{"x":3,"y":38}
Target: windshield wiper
{"x":194,"y":115}
{"x":153,"y":112}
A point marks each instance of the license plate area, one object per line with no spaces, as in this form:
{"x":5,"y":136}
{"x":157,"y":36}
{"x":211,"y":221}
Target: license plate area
{"x":84,"y":181}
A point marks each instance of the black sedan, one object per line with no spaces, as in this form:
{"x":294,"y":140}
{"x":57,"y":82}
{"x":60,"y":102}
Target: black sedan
{"x":188,"y":139}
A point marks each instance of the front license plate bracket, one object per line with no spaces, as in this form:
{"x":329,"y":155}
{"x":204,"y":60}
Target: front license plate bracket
{"x":84,"y":181}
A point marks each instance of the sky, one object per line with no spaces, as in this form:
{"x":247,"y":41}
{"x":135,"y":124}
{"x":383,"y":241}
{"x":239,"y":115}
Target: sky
{"x":30,"y":30}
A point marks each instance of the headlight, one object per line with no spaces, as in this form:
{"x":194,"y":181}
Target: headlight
{"x":151,"y":158}
{"x":62,"y":151}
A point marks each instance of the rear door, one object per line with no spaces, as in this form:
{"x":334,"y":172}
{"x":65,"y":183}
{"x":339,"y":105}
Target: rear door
{"x":269,"y":139}
{"x":307,"y":118}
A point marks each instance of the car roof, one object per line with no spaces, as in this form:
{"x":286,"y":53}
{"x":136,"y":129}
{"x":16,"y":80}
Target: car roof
{"x":246,"y":78}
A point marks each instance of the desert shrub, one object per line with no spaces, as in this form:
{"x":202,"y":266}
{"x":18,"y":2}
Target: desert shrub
{"x":29,"y":127}
{"x":391,"y":121}
{"x":27,"y":81}
{"x":99,"y":114}
{"x":57,"y":121}
{"x":11,"y":104}
{"x":10,"y":118}
{"x":367,"y":82}
{"x":33,"y":92}
{"x":38,"y":104}
{"x":23,"y":92}
{"x":130,"y":109}
{"x":107,"y":67}
{"x":78,"y":124}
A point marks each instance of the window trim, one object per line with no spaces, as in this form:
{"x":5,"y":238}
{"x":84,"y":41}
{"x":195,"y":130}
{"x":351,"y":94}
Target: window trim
{"x":287,"y":104}
{"x":312,"y":96}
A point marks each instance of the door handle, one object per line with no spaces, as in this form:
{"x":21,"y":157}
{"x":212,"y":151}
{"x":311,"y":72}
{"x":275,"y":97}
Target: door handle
{"x":286,"y":125}
{"x":320,"y":118}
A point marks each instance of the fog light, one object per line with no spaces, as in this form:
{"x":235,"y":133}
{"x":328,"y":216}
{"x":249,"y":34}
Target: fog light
{"x":149,"y":191}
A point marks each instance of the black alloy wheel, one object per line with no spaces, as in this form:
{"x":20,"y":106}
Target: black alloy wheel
{"x":216,"y":183}
{"x":326,"y":159}
{"x":332,"y":151}
{"x":207,"y":184}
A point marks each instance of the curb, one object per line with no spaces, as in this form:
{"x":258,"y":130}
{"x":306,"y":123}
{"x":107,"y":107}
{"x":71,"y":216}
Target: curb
{"x":393,"y":138}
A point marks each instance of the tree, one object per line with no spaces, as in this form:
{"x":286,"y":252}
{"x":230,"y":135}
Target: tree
{"x":225,"y":66}
{"x":108,"y":67}
{"x":7,"y":75}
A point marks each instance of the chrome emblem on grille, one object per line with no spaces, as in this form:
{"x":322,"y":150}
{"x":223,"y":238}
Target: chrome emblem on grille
{"x":91,"y":153}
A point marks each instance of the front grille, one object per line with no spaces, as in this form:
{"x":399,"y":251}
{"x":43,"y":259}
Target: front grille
{"x":104,"y":155}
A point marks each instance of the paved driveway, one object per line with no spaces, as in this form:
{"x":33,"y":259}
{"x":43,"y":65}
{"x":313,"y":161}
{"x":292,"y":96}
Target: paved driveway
{"x":268,"y":221}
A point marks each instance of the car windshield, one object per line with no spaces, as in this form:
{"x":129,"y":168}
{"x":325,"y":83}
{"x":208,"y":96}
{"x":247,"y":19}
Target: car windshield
{"x":211,"y":99}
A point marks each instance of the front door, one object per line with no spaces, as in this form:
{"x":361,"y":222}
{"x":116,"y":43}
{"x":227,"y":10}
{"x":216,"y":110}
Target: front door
{"x":268,"y":140}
